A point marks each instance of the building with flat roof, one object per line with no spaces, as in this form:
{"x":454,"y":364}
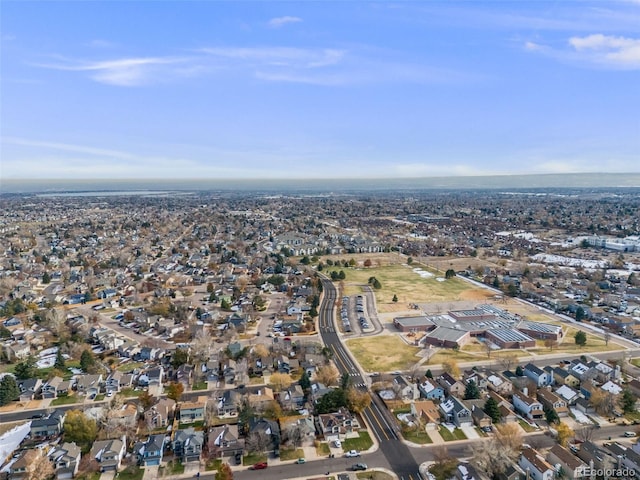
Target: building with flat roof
{"x":472,"y":315}
{"x":414,"y":324}
{"x":447,"y":337}
{"x":509,"y":338}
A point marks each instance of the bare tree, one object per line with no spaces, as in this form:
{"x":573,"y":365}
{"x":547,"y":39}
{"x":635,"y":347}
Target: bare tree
{"x":257,"y":442}
{"x":509,"y":360}
{"x":607,"y":337}
{"x":585,"y":432}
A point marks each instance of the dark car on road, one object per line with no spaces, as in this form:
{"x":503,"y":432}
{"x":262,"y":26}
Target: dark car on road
{"x":359,"y":466}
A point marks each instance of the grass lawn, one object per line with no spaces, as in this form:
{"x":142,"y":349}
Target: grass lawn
{"x":447,"y":354}
{"x":199,"y":386}
{"x":90,"y":476}
{"x":130,"y":392}
{"x":68,"y":400}
{"x":635,"y":361}
{"x":525,"y":426}
{"x":448,"y":436}
{"x":383,"y":353}
{"x":374,"y":475}
{"x":363,"y":442}
{"x":213,"y":464}
{"x":253,"y":458}
{"x":291,"y":454}
{"x":131,"y":473}
{"x":223,"y":421}
{"x":323,"y":449}
{"x":128,"y":366}
{"x":402,"y":281}
{"x":197,"y":425}
{"x":99,"y":397}
{"x":175,"y":468}
{"x":416,"y":435}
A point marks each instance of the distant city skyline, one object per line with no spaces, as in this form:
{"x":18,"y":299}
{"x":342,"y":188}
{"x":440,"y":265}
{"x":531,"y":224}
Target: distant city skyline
{"x":285,"y":90}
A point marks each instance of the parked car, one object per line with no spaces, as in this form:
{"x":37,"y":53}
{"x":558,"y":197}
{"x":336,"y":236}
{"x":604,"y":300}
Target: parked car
{"x":259,"y":466}
{"x":352,"y":453}
{"x":359,"y":466}
{"x":238,"y":458}
{"x":337,"y":443}
{"x":301,"y":460}
{"x":629,"y":434}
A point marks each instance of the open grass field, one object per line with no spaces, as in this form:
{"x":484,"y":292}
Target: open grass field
{"x":409,"y":287}
{"x":361,"y":443}
{"x":382,"y":353}
{"x":595,"y":344}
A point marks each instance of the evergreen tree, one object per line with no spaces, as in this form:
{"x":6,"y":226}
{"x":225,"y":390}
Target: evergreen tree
{"x":450,"y":273}
{"x":580,"y":338}
{"x":46,"y":278}
{"x":627,"y":401}
{"x":9,"y":390}
{"x":395,"y":298}
{"x":471,"y":392}
{"x":551,"y":416}
{"x":305,"y":382}
{"x":26,"y":369}
{"x":87,"y":361}
{"x":428,"y":374}
{"x":580,"y":314}
{"x":519,"y":371}
{"x":492,"y":409}
{"x":60,"y":365}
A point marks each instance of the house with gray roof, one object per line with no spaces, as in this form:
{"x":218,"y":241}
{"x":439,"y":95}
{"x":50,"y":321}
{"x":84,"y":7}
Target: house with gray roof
{"x":454,"y":411}
{"x":66,"y":460}
{"x":109,"y":453}
{"x":187,"y":444}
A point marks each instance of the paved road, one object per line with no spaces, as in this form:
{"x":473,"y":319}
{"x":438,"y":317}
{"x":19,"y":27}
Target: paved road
{"x":399,"y":457}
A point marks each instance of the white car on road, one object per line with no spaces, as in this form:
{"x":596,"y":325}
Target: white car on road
{"x":352,"y":453}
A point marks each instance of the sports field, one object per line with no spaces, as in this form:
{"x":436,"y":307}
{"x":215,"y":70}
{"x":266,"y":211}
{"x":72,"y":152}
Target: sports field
{"x":409,"y":285}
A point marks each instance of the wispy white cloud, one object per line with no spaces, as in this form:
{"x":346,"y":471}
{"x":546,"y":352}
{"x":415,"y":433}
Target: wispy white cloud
{"x":279,"y":22}
{"x":125,"y":72}
{"x":280,"y":56}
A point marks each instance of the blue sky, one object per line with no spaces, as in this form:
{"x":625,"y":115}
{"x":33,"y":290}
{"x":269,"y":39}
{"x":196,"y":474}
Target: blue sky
{"x":318,"y":89}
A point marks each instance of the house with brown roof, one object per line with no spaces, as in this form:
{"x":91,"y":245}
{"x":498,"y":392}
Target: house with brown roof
{"x":426,"y":413}
{"x":553,"y":401}
{"x":451,"y":385}
{"x":261,"y":399}
{"x":191,"y":412}
{"x":572,"y":467}
{"x":534,"y":464}
{"x":26,"y":464}
{"x":160,"y":414}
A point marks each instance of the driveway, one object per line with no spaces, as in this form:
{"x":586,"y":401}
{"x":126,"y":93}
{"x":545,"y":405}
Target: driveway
{"x":470,"y":432}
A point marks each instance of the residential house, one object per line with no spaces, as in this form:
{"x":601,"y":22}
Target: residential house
{"x":568,"y":394}
{"x":479,"y":378}
{"x":552,"y":401}
{"x":50,"y":426}
{"x":267,"y":428}
{"x":430,"y":390}
{"x":261,"y":399}
{"x":563,"y":460}
{"x":150,"y":452}
{"x":627,"y":457}
{"x":191,"y":412}
{"x":66,"y":460}
{"x":55,"y":387}
{"x":29,"y":388}
{"x":512,"y":472}
{"x":26,"y":464}
{"x":123,"y":417}
{"x":292,"y":398}
{"x":541,"y":377}
{"x":223,"y":441}
{"x":184,"y":375}
{"x":480,"y":418}
{"x":187,"y":444}
{"x":584,"y":406}
{"x":109,"y":453}
{"x":89,"y":384}
{"x":535,"y":466}
{"x":229,"y":371}
{"x":298,"y":429}
{"x":405,"y":389}
{"x":426,"y":413}
{"x":564,"y":377}
{"x":283,"y":364}
{"x":337,"y":424}
{"x":155,"y":376}
{"x":527,"y":406}
{"x":451,"y":385}
{"x":318,"y":390}
{"x":599,"y":458}
{"x":160,"y":414}
{"x":227,"y":405}
{"x":499,"y":384}
{"x":454,"y":411}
